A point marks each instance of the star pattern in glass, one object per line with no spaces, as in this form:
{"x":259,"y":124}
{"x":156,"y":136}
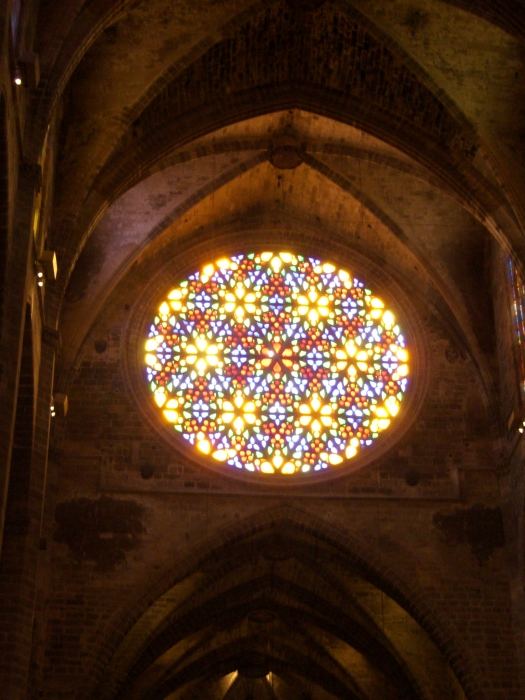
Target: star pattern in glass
{"x":276,"y":363}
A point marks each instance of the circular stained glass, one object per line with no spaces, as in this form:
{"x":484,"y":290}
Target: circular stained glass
{"x":277,"y":364}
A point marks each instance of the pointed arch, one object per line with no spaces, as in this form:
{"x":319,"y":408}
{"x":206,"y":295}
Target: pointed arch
{"x":277,"y":534}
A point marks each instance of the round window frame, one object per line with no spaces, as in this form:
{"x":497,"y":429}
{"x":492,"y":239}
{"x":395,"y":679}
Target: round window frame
{"x":192,"y":256}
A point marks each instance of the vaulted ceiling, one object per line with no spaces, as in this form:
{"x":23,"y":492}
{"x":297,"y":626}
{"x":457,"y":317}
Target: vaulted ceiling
{"x":357,"y":118}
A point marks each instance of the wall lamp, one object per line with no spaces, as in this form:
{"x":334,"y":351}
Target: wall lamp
{"x":46,"y":267}
{"x":59,"y":406}
{"x":27,"y":72}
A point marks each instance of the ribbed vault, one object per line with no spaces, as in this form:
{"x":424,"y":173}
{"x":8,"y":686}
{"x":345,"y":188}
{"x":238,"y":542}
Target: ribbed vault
{"x":280,"y":612}
{"x":342,"y":180}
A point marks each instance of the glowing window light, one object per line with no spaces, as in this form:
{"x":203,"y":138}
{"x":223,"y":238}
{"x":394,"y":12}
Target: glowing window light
{"x":517,"y":287}
{"x":275,"y":363}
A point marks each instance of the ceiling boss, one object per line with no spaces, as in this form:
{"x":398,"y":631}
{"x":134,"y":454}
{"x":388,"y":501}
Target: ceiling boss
{"x":276,"y":363}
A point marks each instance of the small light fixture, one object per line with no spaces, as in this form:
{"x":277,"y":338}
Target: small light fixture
{"x":27,"y":71}
{"x":40,"y":278}
{"x":52,"y":410}
{"x":46,"y":267}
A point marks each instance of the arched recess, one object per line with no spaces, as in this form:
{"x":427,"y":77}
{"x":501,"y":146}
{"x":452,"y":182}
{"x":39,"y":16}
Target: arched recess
{"x":284,"y":601}
{"x":106,"y":259}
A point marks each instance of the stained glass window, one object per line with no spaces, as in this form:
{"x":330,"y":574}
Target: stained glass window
{"x":517,"y":287}
{"x":276,"y":363}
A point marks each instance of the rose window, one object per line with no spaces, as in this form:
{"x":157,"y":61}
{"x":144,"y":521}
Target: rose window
{"x":277,"y":364}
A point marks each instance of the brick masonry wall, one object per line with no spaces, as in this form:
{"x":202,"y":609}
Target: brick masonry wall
{"x":129,"y":509}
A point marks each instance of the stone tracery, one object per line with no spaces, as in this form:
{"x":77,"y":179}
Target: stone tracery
{"x":276,"y":363}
